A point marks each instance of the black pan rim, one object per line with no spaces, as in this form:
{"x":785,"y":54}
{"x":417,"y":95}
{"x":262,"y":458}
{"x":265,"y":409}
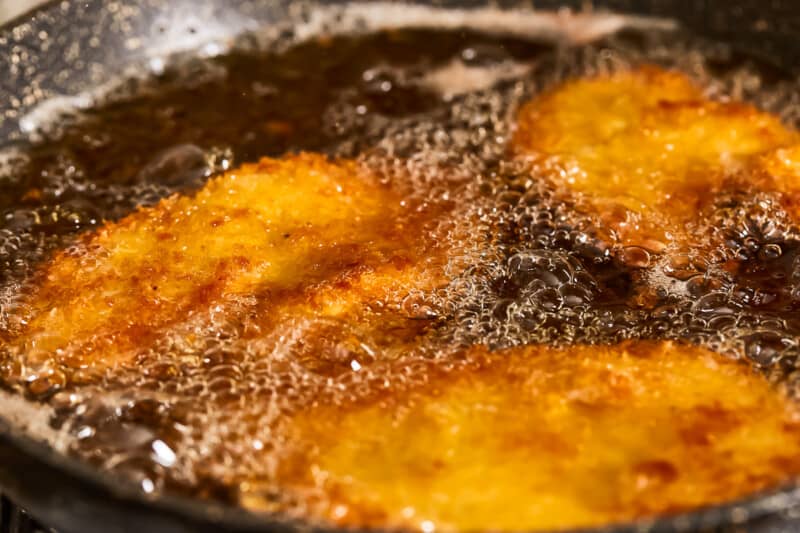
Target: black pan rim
{"x":114,"y":489}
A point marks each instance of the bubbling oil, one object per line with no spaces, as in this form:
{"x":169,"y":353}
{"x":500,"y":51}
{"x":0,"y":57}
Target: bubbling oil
{"x":199,"y":412}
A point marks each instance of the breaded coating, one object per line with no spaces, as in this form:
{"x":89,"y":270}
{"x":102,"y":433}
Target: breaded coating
{"x":648,"y":150}
{"x":314,"y":236}
{"x":543,"y":438}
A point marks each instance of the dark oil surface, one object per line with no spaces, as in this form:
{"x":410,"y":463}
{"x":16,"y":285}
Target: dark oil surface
{"x":202,"y":117}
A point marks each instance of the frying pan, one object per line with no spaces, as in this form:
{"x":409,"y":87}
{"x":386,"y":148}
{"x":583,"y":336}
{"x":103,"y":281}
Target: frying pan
{"x":68,"y":47}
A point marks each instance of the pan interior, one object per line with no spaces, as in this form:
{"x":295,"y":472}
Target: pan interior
{"x":427,"y":98}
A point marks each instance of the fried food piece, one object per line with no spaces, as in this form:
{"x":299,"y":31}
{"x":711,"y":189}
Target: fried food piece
{"x":648,"y":151}
{"x":258,"y":238}
{"x":545,"y":438}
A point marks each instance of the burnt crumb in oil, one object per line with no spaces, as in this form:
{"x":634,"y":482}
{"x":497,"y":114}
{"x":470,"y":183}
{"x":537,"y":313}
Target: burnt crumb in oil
{"x":540,"y":272}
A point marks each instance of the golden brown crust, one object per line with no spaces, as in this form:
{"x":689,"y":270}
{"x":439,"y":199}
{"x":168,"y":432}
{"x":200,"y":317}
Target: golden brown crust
{"x":647,"y":151}
{"x":567,"y":437}
{"x":302,"y":233}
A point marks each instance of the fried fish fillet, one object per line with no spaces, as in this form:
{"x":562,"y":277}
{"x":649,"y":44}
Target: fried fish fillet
{"x":298,"y":235}
{"x":648,"y":151}
{"x":543,"y":438}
